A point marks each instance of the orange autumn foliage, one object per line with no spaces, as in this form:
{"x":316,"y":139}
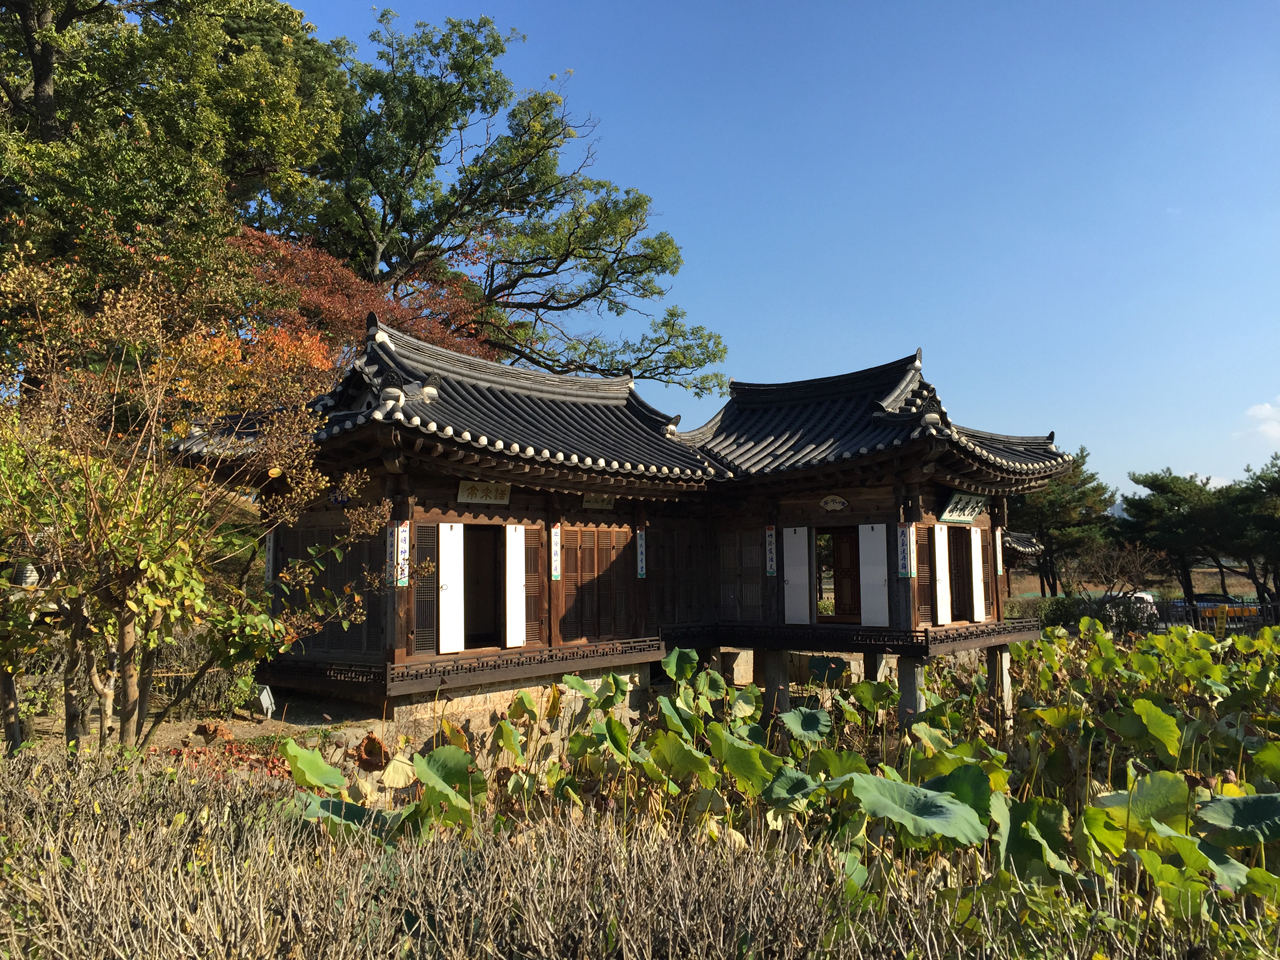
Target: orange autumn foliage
{"x":305,"y":290}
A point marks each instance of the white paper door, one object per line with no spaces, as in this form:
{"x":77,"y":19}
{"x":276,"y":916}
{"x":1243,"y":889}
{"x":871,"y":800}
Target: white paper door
{"x":941,"y":576}
{"x":452,"y":601}
{"x":979,"y":600}
{"x":515,"y":585}
{"x":873,"y":572}
{"x":795,"y":573}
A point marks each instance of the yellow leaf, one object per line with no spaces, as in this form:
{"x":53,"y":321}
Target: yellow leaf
{"x":399,"y":773}
{"x":456,"y":736}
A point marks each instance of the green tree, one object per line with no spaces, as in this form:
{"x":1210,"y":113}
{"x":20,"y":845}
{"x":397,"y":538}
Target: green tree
{"x":1068,"y":517}
{"x":443,"y":176}
{"x":1244,"y":535}
{"x":145,"y":421}
{"x":131,"y":128}
{"x":160,"y":127}
{"x":1177,"y":517}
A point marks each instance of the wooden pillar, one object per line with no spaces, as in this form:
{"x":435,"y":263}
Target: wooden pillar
{"x":911,"y":690}
{"x":555,"y":517}
{"x":640,"y":615}
{"x":1000,"y":688}
{"x":399,"y":635}
{"x":774,"y":679}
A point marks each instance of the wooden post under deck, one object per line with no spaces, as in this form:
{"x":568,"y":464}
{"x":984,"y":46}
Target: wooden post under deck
{"x":910,"y":689}
{"x":1000,"y":688}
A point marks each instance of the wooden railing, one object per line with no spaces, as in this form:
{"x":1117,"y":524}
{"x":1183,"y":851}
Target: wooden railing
{"x":852,"y":638}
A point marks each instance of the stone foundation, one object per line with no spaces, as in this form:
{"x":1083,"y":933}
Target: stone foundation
{"x":476,"y":711}
{"x":737,"y":666}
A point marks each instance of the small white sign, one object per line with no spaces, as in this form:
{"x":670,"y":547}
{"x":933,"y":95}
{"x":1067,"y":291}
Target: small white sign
{"x":402,"y":554}
{"x":473,"y":491}
{"x":906,"y":550}
{"x":963,"y":508}
{"x":771,"y":551}
{"x":555,"y":551}
{"x":997,"y":538}
{"x":597,"y":501}
{"x":640,"y":555}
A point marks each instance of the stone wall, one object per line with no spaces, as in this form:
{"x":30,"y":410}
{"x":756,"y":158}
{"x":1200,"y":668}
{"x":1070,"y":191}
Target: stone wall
{"x":476,"y":711}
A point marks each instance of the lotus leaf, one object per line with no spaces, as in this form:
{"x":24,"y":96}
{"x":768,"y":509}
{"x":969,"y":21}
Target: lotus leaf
{"x":1198,"y":855}
{"x":1268,"y":758}
{"x":811,"y":726}
{"x":1162,"y":796}
{"x":789,"y":788}
{"x":836,"y":763}
{"x":968,"y":784}
{"x":577,"y":684}
{"x":921,"y":812}
{"x":399,"y":773}
{"x":1047,"y":842}
{"x":1103,"y":830}
{"x":309,"y":769}
{"x":1162,"y":728}
{"x":1182,"y":890}
{"x":1001,"y":821}
{"x":711,"y":684}
{"x":934,"y":740}
{"x":511,"y":738}
{"x":679,"y":664}
{"x":523,"y":706}
{"x":746,"y":703}
{"x":451,"y":783}
{"x":678,"y":760}
{"x":1243,"y":821}
{"x":679,"y":720}
{"x":751,"y":766}
{"x":611,"y":691}
{"x":1059,"y":718}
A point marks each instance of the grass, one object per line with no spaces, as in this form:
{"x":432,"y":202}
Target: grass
{"x":133,"y":862}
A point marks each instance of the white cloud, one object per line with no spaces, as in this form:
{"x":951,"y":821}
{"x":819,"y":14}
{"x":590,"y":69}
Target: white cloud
{"x":1268,"y":417}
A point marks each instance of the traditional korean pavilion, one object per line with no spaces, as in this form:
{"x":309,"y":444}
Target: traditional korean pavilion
{"x":571,"y":527}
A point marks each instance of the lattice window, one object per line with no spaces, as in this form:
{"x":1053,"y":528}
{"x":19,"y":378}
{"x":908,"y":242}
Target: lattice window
{"x":332,"y":642}
{"x":681,"y":575}
{"x":426,"y":589}
{"x":741,"y":567}
{"x":988,"y":591}
{"x":925,"y":593}
{"x":534,"y":565}
{"x":598,"y":572}
{"x":960,"y":561}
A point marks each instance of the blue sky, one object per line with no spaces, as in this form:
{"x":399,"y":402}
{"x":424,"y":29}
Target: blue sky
{"x":1074,"y":208}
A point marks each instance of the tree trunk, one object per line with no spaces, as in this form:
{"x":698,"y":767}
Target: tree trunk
{"x":127,"y":653}
{"x":9,"y":711}
{"x":75,"y":726}
{"x":106,"y":691}
{"x":146,"y":673}
{"x":1188,"y":590}
{"x":1222,"y":576}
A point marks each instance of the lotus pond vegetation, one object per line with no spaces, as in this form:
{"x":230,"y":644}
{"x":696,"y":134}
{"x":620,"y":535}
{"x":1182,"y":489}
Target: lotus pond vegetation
{"x":1132,"y":811}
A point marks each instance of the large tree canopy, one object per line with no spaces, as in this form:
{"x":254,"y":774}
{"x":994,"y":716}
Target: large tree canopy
{"x":169,"y":124}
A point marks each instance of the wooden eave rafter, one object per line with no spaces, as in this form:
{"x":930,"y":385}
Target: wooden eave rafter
{"x":388,"y":450}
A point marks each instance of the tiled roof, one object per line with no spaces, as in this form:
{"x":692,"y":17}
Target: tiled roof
{"x":595,"y":425}
{"x":1023,"y":543}
{"x":768,"y":429}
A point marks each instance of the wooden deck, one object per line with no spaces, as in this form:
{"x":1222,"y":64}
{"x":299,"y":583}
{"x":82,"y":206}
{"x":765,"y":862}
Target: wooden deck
{"x":852,"y":638}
